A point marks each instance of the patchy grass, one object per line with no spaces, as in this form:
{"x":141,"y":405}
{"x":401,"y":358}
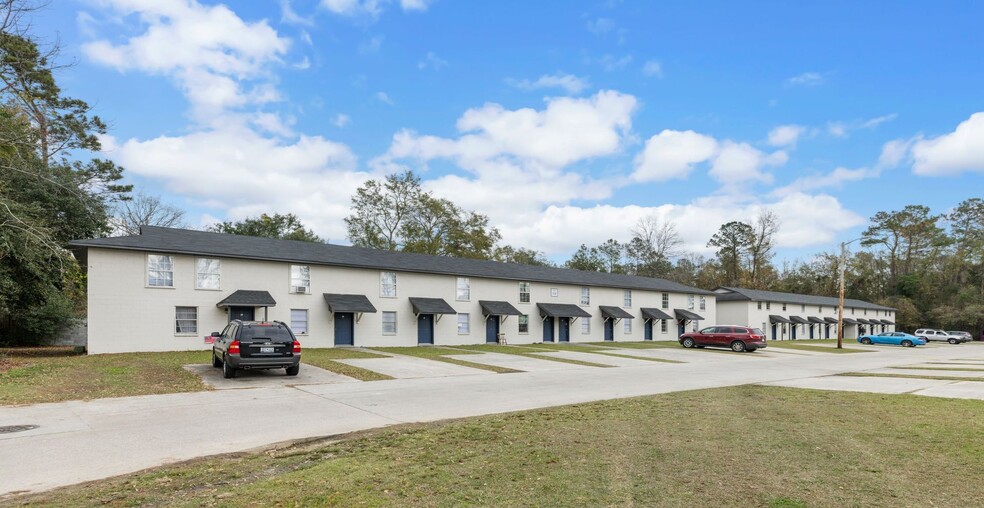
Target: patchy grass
{"x":440,"y":354}
{"x":325,"y":358}
{"x":798,"y":345}
{"x":592,"y":350}
{"x":738,"y":446}
{"x":967,"y":369}
{"x":39,"y":375}
{"x":910,"y":376}
{"x":524,"y":351}
{"x":649,"y":344}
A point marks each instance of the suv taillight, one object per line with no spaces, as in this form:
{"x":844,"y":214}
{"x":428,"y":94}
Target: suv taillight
{"x":297,"y":347}
{"x":234,"y":347}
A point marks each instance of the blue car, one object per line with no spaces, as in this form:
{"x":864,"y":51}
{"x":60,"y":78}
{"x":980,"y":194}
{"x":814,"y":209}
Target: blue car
{"x":894,"y":338}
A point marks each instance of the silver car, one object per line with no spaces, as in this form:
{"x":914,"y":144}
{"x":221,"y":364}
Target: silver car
{"x":965,"y":335}
{"x":939,"y":336}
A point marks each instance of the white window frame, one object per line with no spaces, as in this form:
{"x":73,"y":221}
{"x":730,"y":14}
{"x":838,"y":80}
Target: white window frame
{"x":384,"y":285}
{"x":585,"y":295}
{"x":554,"y":292}
{"x":784,"y":307}
{"x":383,"y":317}
{"x":521,"y":324}
{"x":664,"y":326}
{"x":627,"y":298}
{"x":690,"y":302}
{"x":528,"y":294}
{"x":666,"y":300}
{"x":299,"y":281}
{"x":703,"y":303}
{"x":462,"y":289}
{"x":768,"y":305}
{"x":204,"y":275}
{"x":627,"y":326}
{"x":178,"y":320}
{"x":293,"y":323}
{"x":585,"y":326}
{"x":759,"y":305}
{"x":157,"y":260}
{"x":464,"y":324}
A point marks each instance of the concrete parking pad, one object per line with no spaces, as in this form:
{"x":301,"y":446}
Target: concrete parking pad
{"x":678,"y":354}
{"x":931,"y":373}
{"x":517,"y":362}
{"x":309,"y":375}
{"x":956,"y":390}
{"x":613,"y":361}
{"x":862,"y":384}
{"x":409,"y":367}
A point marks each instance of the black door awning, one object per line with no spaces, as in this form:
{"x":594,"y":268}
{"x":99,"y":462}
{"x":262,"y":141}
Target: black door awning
{"x":686,"y":314}
{"x":817,"y":320}
{"x":348,"y":303}
{"x":560,"y":310}
{"x":830,"y":320}
{"x":654,"y":313}
{"x":866,"y":322}
{"x":798,"y":320}
{"x":613,"y":312}
{"x":778,"y":319}
{"x":850,"y":321}
{"x":494,"y":308}
{"x":248,"y":298}
{"x":431,"y":306}
{"x":887,"y":322}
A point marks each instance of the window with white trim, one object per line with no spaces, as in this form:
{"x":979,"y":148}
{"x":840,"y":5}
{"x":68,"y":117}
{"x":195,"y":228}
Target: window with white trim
{"x":389,"y":323}
{"x":803,"y":308}
{"x":207,"y":273}
{"x":524,"y":323}
{"x":690,"y":302}
{"x":464,"y":325}
{"x":627,"y":297}
{"x":300,"y":279}
{"x":703,"y":303}
{"x":160,"y":271}
{"x":387,"y":284}
{"x":759,"y":305}
{"x":585,"y":296}
{"x":185,"y":320}
{"x":585,"y":326}
{"x":299,"y":321}
{"x":463,"y":289}
{"x":666,"y":300}
{"x":554,"y":292}
{"x":627,"y":326}
{"x":524,"y":292}
{"x":768,"y":305}
{"x":662,"y":325}
{"x":784,"y":306}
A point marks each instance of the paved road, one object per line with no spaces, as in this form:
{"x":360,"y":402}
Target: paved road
{"x":82,"y":441}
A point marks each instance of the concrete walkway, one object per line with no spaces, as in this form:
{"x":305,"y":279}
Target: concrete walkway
{"x":82,"y":441}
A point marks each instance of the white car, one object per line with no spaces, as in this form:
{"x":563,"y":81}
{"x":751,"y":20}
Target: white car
{"x":940,"y":336}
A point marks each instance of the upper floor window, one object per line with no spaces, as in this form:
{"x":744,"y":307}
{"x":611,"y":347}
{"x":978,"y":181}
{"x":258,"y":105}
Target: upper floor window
{"x":820,"y":308}
{"x":300,"y":279}
{"x":207,"y":273}
{"x":387,"y":284}
{"x":463,"y":289}
{"x":160,"y":271}
{"x":627,"y":297}
{"x":852,"y":311}
{"x":759,"y":305}
{"x":690,"y":302}
{"x":524,"y":292}
{"x":768,"y":305}
{"x":585,"y":296}
{"x":703,"y":303}
{"x":666,"y":300}
{"x":784,"y":306}
{"x":803,"y":307}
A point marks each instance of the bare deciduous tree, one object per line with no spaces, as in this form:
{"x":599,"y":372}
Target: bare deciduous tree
{"x":144,"y":210}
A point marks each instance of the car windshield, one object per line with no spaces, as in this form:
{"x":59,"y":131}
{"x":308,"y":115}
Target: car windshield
{"x":276,"y":333}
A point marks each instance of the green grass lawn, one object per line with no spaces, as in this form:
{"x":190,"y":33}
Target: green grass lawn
{"x":524,"y":351}
{"x":738,"y":446}
{"x":440,"y":354}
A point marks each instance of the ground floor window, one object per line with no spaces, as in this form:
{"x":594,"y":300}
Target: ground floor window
{"x":299,"y":320}
{"x":389,"y":323}
{"x":627,"y":326}
{"x":185,"y":320}
{"x":463,"y":324}
{"x":585,"y":326}
{"x":662,"y":325}
{"x":524,"y":323}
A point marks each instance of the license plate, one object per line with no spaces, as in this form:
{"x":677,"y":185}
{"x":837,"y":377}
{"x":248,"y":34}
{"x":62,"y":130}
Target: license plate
{"x":266,"y":349}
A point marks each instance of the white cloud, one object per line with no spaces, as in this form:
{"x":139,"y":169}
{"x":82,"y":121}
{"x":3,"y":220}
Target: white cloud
{"x":432,"y":61}
{"x":786,"y":135}
{"x":841,"y":129}
{"x":341,"y":120}
{"x":653,"y":69}
{"x":835,"y":178}
{"x":894,"y":152}
{"x":372,"y":45}
{"x":217,"y":59}
{"x":384,"y":98}
{"x":601,"y":26}
{"x":568,"y":82}
{"x":952,"y":153}
{"x":736,"y":163}
{"x":609,"y":62}
{"x":672,"y":154}
{"x":415,"y":5}
{"x":875,"y":122}
{"x":289,"y":15}
{"x":371,"y":8}
{"x":303,"y":64}
{"x":837,"y":129}
{"x":806,"y":79}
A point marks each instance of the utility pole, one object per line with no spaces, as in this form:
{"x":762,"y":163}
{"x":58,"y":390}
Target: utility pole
{"x":840,"y":305}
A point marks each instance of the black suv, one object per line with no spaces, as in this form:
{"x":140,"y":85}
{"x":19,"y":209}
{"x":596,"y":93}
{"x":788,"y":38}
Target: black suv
{"x":256,"y":345}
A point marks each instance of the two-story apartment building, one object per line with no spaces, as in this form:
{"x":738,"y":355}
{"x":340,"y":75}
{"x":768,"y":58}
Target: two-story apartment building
{"x":168,"y":289}
{"x":785,"y":316}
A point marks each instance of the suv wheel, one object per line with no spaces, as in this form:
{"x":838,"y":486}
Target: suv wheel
{"x":737,"y":346}
{"x":952,"y":341}
{"x":215,"y":361}
{"x":688,"y":342}
{"x":228,"y":371}
{"x":292,"y":371}
{"x":907,"y":343}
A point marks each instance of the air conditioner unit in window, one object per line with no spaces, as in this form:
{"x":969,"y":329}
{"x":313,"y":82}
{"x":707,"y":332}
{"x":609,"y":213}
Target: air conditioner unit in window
{"x":300,"y":289}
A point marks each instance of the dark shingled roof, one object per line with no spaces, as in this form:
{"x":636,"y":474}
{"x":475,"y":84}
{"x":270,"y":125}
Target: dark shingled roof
{"x":431,"y":306}
{"x":183,"y":241}
{"x":654,"y":313}
{"x":248,"y":298}
{"x":686,"y":314}
{"x":562,"y":310}
{"x":494,"y":308}
{"x":888,"y":322}
{"x":799,"y":320}
{"x":348,"y":303}
{"x":814,"y":319}
{"x":614,"y":312}
{"x":758,"y":295}
{"x":778,"y":319}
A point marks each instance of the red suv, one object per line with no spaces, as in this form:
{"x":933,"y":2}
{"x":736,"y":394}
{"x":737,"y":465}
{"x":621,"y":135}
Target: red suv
{"x":738,"y":338}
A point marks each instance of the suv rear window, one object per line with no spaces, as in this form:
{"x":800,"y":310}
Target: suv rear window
{"x":758,"y":331}
{"x":277,"y":333}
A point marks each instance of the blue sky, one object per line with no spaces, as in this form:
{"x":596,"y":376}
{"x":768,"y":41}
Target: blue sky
{"x":564,"y":122}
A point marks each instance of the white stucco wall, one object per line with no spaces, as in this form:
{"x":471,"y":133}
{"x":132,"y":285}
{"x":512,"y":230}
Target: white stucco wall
{"x":126,"y":315}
